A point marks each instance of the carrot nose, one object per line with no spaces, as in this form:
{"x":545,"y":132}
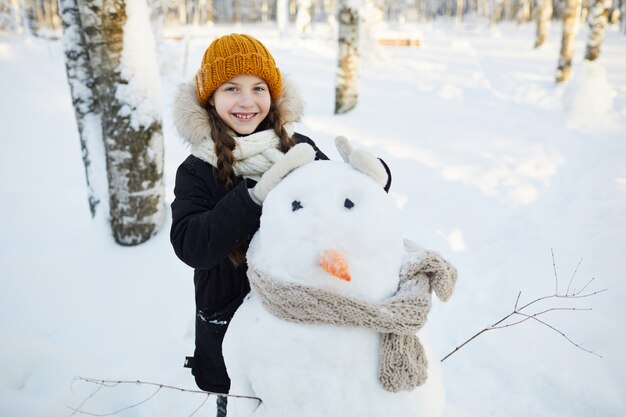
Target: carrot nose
{"x":335,"y":264}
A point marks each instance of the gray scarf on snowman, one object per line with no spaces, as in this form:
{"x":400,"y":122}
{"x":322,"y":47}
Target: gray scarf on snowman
{"x":402,"y":363}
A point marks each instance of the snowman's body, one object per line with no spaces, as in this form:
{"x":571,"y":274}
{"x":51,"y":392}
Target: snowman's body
{"x":309,"y":370}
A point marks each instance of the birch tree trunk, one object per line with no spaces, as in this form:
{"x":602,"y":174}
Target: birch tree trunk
{"x":9,"y":16}
{"x":282,"y":15}
{"x":623,"y":15}
{"x":303,"y":16}
{"x":30,"y":16}
{"x":346,"y":85}
{"x":264,"y":11}
{"x":622,"y":10}
{"x":507,"y":10}
{"x":597,"y":25}
{"x":570,"y":28}
{"x":498,"y":10}
{"x":460,"y":8}
{"x":544,"y":18}
{"x":132,"y":138}
{"x":15,"y":4}
{"x":523,"y":14}
{"x":182,"y":12}
{"x":86,"y":108}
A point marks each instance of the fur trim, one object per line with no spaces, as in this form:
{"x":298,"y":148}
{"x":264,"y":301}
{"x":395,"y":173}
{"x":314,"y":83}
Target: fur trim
{"x":192,"y":121}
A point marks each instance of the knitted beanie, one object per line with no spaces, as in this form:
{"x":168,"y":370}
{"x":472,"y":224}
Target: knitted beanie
{"x":233,"y":55}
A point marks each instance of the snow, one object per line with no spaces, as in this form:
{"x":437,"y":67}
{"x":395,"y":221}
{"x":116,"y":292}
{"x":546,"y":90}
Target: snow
{"x":487,"y":165}
{"x":139,"y":67}
{"x":589,"y":97}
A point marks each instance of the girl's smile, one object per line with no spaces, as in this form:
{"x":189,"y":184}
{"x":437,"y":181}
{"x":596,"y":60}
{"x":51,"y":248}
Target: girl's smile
{"x":242,"y":102}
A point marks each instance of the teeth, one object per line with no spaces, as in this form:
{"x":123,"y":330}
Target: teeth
{"x":244,"y":116}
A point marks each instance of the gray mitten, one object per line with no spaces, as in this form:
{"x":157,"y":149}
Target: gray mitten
{"x":362,"y":161}
{"x":297,"y":156}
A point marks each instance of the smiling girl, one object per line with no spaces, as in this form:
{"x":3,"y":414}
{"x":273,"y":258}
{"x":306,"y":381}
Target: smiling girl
{"x":238,"y":117}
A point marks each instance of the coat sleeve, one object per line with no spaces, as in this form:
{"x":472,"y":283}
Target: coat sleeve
{"x":205,"y":231}
{"x":319,"y":155}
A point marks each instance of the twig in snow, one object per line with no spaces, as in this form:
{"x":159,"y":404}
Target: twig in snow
{"x":520,"y":311}
{"x":112,"y":384}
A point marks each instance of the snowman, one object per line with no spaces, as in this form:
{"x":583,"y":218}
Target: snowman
{"x":334,"y":324}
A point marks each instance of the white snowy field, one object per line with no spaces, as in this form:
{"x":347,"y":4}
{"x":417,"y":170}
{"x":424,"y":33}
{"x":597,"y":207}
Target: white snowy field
{"x":494,"y":166}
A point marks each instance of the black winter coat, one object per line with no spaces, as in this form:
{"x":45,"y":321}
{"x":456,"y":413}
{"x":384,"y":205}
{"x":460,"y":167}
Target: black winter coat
{"x":208,"y":223}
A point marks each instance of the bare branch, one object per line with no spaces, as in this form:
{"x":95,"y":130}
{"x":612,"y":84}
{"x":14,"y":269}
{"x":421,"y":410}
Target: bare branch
{"x":78,"y":410}
{"x":466,"y":342}
{"x":112,"y":384}
{"x":590,"y":281}
{"x":564,"y":335}
{"x":80,"y":406}
{"x":572,"y":278}
{"x":519,"y":294}
{"x":556,"y":277}
{"x":200,"y":406}
{"x":528,"y":317}
{"x":109,"y":383}
{"x":523,"y":310}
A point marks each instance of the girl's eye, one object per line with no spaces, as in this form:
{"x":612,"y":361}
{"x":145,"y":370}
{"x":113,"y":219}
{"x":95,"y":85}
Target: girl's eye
{"x":296,"y":205}
{"x":259,"y":89}
{"x":348,"y":203}
{"x":232,"y":89}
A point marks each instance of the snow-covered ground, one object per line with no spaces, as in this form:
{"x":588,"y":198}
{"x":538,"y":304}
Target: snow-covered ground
{"x":494,"y":166}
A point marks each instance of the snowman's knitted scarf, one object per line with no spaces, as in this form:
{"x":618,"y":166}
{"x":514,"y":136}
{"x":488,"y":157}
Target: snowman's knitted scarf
{"x":402,"y":364}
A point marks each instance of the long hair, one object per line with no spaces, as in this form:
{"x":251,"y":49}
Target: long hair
{"x":224,"y":147}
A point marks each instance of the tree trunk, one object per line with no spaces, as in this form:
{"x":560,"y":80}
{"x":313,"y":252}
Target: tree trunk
{"x":498,"y":10}
{"x":30,"y":16}
{"x":346,"y":87}
{"x":570,"y":28}
{"x":282,"y":14}
{"x":622,"y":8}
{"x":49,"y":9}
{"x":507,"y":10}
{"x":483,"y":8}
{"x":9,"y":16}
{"x":132,"y":138}
{"x":264,"y":11}
{"x":544,"y":17}
{"x":17,"y":15}
{"x":86,"y":108}
{"x":182,"y":12}
{"x":303,"y":16}
{"x":523,"y":14}
{"x":597,"y":24}
{"x":460,"y":8}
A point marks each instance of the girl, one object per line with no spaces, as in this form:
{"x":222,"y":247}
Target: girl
{"x":238,"y":119}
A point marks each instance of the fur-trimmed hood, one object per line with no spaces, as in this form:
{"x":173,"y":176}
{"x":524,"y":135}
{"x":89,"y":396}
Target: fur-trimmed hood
{"x":192,"y":120}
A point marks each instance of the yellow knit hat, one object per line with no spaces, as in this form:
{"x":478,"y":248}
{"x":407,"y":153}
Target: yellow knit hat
{"x":233,"y":55}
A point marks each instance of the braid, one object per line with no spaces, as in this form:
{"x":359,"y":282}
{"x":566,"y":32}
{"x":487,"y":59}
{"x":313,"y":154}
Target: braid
{"x":285,"y":142}
{"x":224,"y":146}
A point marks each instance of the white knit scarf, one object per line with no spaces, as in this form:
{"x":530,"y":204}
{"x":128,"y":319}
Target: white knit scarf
{"x":402,"y":363}
{"x":254,"y":154}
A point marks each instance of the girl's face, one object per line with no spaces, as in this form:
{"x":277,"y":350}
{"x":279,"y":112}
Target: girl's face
{"x":242,"y":102}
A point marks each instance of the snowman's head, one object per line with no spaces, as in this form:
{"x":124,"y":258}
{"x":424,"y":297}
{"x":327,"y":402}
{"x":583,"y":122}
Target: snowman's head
{"x":330,"y":226}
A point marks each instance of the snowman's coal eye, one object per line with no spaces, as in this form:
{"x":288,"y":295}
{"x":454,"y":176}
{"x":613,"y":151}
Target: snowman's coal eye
{"x":296,"y":205}
{"x":348,"y":204}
